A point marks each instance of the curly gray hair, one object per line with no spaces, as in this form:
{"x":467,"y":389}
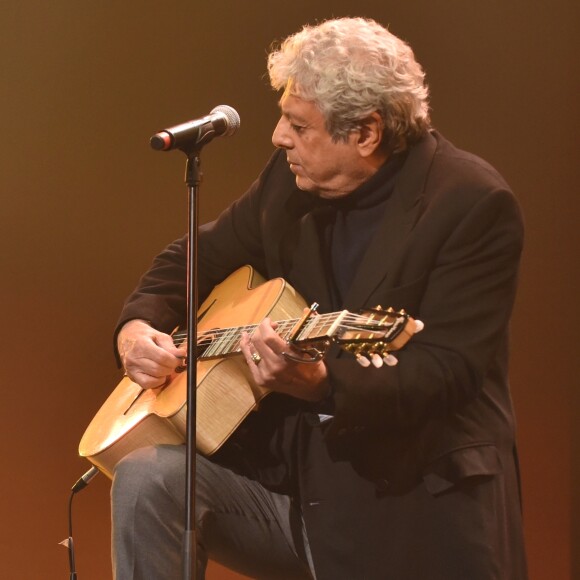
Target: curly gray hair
{"x":350,"y":68}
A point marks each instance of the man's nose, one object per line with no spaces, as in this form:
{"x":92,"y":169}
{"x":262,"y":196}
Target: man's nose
{"x":280,"y":136}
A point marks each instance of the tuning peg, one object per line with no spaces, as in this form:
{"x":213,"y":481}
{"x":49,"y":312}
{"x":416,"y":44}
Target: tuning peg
{"x":363,"y":361}
{"x":389,"y":359}
{"x":377,"y":360}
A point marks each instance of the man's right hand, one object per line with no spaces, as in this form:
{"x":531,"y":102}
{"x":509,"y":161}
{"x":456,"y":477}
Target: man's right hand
{"x":149,"y":357}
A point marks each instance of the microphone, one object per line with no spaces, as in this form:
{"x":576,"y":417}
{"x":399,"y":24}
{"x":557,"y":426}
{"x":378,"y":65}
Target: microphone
{"x":85,"y":479}
{"x":223,"y":120}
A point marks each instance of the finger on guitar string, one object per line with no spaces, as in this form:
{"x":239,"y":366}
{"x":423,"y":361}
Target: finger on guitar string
{"x":252,"y":356}
{"x":275,"y":372}
{"x":266,"y":342}
{"x":264,"y":345}
{"x":182,"y":366}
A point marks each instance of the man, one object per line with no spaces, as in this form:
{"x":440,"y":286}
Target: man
{"x":398,"y":472}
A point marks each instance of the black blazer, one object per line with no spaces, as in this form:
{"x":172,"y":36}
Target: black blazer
{"x":447,"y":251}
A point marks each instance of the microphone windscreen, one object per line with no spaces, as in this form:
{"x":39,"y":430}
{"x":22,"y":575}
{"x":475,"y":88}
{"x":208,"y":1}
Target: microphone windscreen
{"x":232,"y":118}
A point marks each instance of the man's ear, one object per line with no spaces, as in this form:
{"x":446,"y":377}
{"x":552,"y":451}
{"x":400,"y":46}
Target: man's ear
{"x":370,"y":135}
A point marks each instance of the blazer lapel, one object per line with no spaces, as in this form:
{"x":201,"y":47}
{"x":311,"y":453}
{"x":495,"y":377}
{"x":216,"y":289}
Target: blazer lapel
{"x":301,"y":259}
{"x":402,"y":212}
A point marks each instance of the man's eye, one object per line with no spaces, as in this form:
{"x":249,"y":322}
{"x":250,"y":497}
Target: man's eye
{"x":297,"y":128}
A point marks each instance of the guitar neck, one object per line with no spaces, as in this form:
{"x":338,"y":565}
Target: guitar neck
{"x":221,"y":342}
{"x":376,"y":331}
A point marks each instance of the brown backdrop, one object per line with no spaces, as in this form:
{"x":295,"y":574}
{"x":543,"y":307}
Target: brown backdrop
{"x":86,"y":204}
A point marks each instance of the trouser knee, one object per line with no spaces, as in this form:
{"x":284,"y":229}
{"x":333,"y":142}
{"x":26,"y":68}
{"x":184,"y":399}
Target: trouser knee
{"x":154,"y":474}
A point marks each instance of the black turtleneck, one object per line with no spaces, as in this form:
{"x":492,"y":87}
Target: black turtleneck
{"x":346,"y":225}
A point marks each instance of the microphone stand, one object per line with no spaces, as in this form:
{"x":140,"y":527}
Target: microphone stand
{"x":192,"y":148}
{"x":192,"y":179}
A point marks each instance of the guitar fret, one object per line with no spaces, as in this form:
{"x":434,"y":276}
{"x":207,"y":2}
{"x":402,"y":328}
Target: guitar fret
{"x":316,"y":327}
{"x":309,"y":329}
{"x":285,"y":328}
{"x":334,"y":326}
{"x":226,"y":340}
{"x":233,"y":341}
{"x":249,"y":329}
{"x":216,"y":348}
{"x":212,"y":348}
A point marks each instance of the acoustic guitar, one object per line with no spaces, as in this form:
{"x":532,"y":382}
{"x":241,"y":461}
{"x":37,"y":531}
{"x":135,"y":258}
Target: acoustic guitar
{"x":133,"y":417}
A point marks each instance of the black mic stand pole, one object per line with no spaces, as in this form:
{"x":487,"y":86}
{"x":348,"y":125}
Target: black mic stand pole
{"x":192,"y":179}
{"x":192,"y":148}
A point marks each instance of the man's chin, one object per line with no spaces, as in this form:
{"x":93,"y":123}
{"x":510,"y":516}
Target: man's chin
{"x":304,"y":184}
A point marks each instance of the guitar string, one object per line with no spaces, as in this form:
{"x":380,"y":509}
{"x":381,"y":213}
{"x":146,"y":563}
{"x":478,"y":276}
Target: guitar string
{"x":320,"y":320}
{"x":349,"y":322}
{"x":352,"y":318}
{"x":227,"y":340}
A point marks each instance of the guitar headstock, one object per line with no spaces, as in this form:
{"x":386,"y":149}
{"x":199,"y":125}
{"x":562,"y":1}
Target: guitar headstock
{"x":372,"y":335}
{"x":375,"y":333}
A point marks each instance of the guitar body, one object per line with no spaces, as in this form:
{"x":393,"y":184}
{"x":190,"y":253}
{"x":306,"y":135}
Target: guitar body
{"x":132,"y":417}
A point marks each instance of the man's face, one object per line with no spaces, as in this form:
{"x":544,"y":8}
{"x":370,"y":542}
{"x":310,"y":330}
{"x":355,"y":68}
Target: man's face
{"x":322,"y":166}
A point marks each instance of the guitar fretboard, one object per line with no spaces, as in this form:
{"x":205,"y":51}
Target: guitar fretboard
{"x":221,"y":342}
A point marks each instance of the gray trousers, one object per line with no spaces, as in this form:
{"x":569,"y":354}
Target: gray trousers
{"x":239,"y":523}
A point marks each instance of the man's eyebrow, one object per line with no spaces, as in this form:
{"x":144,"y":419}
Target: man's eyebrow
{"x":293,"y":116}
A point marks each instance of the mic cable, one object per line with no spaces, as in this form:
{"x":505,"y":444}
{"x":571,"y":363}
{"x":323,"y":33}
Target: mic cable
{"x":68,"y":543}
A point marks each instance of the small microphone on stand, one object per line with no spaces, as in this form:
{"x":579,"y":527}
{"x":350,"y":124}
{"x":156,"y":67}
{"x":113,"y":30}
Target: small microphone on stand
{"x":85,"y":479}
{"x":222,"y":121}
